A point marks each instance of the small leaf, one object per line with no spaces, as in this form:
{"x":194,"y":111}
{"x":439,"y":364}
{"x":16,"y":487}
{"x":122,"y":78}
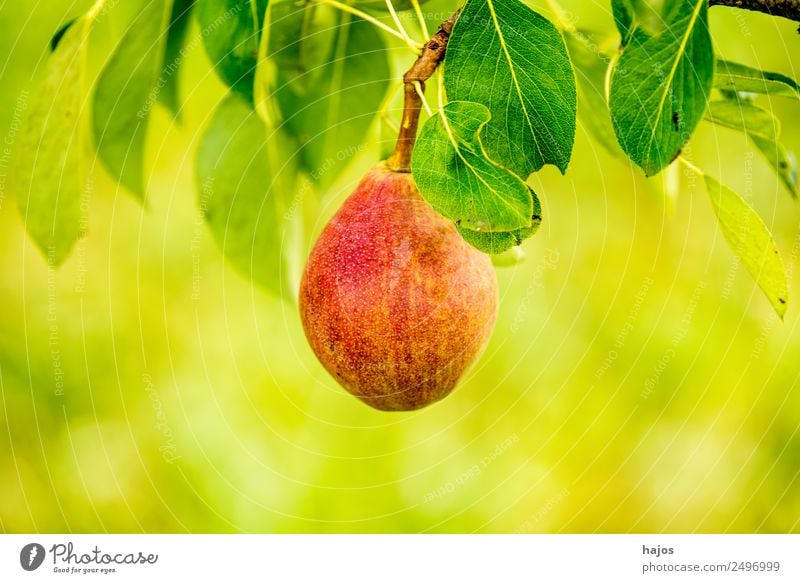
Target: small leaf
{"x":660,"y":85}
{"x":173,"y":55}
{"x":512,"y":60}
{"x":247,"y":190}
{"x":124,"y":96}
{"x":497,"y":243}
{"x":330,"y":98}
{"x":49,"y":165}
{"x":454,"y":174}
{"x":743,"y":116}
{"x":740,"y":78}
{"x":763,"y":128}
{"x":751,"y":241}
{"x":231,"y":30}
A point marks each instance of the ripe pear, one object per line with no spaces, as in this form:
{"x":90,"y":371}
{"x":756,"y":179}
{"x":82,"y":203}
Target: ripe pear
{"x":394,"y":303}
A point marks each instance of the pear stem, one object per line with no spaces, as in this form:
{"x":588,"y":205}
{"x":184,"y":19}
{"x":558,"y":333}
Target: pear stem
{"x":413,"y":84}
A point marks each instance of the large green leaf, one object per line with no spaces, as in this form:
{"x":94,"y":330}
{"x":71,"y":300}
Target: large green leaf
{"x":330,"y":97}
{"x":297,"y":41}
{"x":763,"y":128}
{"x":736,"y":77}
{"x":230,"y":30}
{"x":661,"y":84}
{"x":167,"y":85}
{"x":125,"y":95}
{"x":509,"y":58}
{"x":50,"y":173}
{"x":455,"y":176}
{"x":750,"y":239}
{"x":247,"y":189}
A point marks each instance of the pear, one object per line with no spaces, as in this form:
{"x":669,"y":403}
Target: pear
{"x":394,"y":303}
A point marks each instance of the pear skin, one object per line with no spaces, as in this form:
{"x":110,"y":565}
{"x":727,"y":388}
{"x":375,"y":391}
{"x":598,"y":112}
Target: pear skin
{"x":394,"y":303}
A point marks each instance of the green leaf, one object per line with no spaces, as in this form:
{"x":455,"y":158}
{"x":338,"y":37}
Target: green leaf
{"x":497,"y":243}
{"x":230,"y":30}
{"x":125,"y":95}
{"x":454,"y":174}
{"x":660,"y":85}
{"x":740,"y":78}
{"x":763,"y":128}
{"x":329,"y":101}
{"x":590,"y":65}
{"x":50,"y":173}
{"x":738,"y":115}
{"x":509,"y":58}
{"x":300,"y":38}
{"x":174,"y":55}
{"x":751,"y":241}
{"x":247,"y":190}
{"x":298,"y":41}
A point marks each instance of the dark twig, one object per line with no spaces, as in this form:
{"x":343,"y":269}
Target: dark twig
{"x":414,"y":79}
{"x":787,"y":8}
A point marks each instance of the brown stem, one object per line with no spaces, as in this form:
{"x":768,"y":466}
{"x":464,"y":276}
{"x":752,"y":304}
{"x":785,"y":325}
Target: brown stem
{"x":422,"y":70}
{"x":787,"y":8}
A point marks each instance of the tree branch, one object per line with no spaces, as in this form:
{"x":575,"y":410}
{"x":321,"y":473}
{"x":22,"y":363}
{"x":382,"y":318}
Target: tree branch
{"x":422,"y":70}
{"x":787,"y":8}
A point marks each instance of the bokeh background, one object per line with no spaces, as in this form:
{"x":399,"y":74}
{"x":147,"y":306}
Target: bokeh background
{"x":637,"y":380}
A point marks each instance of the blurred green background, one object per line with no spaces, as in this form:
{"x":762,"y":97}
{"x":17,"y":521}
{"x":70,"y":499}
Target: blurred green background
{"x":637,"y":380}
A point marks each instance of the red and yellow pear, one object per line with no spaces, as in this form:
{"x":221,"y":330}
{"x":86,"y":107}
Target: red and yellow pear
{"x":394,"y":303}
